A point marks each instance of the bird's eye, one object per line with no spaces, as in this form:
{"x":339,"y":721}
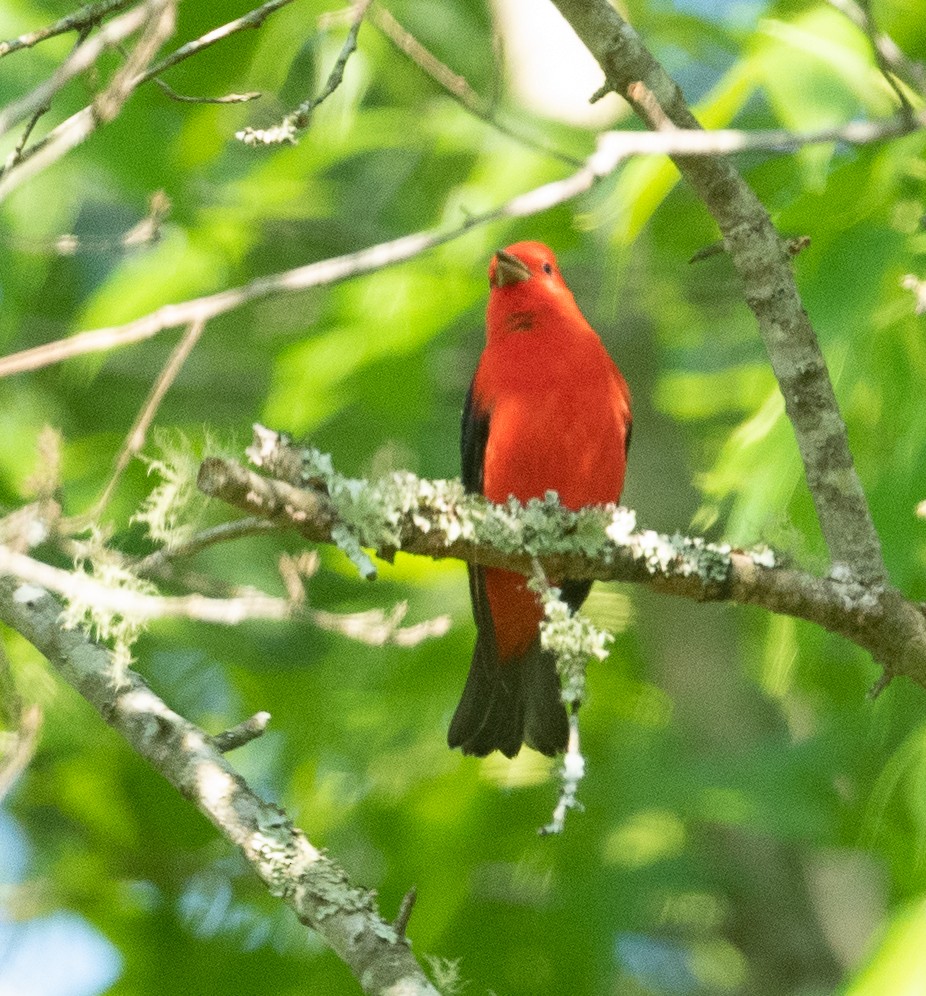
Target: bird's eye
{"x":547,"y":268}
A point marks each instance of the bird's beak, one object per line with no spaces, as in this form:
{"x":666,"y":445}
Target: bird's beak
{"x":509,"y":269}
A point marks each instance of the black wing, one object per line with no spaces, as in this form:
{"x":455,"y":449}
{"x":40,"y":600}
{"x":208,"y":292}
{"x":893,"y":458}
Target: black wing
{"x":473,"y":441}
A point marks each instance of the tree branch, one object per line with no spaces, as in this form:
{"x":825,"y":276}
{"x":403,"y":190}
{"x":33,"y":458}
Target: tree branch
{"x":760,"y":256}
{"x":613,"y":149}
{"x":458,"y":87}
{"x":309,"y":881}
{"x":81,"y":59}
{"x":78,"y":127}
{"x":436,"y":519}
{"x":301,"y":117}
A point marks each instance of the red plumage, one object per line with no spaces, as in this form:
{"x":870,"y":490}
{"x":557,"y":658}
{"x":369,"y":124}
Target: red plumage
{"x":547,"y":410}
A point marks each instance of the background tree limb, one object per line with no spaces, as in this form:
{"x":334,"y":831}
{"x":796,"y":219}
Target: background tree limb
{"x":309,"y":881}
{"x":761,"y":258}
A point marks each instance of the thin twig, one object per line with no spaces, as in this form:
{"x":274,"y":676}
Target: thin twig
{"x":146,"y":231}
{"x":17,"y":153}
{"x":878,"y":687}
{"x":86,"y":16}
{"x":104,"y":108}
{"x":229,"y":98}
{"x":81,"y":59}
{"x":457,"y":86}
{"x":160,"y":562}
{"x":405,"y":911}
{"x":253,"y":19}
{"x":138,"y":606}
{"x":301,"y":117}
{"x":82,"y":123}
{"x":613,"y":148}
{"x":890,"y":57}
{"x":135,"y":439}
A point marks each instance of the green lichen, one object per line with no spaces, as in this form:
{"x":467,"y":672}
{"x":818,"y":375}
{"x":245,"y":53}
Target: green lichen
{"x":572,"y":638}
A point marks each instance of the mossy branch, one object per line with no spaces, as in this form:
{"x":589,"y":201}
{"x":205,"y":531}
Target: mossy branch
{"x":436,"y":519}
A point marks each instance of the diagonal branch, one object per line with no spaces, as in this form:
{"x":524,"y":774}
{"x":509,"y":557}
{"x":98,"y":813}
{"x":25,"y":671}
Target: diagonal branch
{"x":305,"y":878}
{"x":78,"y":127}
{"x":85,"y":17}
{"x":761,"y":257}
{"x":135,"y":439}
{"x":81,"y":59}
{"x":301,"y":117}
{"x":81,"y":122}
{"x":613,"y":149}
{"x":458,"y":87}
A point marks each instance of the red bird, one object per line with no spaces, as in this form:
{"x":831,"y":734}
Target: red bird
{"x":547,"y":410}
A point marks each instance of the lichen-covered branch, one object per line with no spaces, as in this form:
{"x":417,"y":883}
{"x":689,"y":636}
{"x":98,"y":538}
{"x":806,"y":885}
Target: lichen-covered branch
{"x":308,"y":880}
{"x":436,"y":519}
{"x":761,"y":257}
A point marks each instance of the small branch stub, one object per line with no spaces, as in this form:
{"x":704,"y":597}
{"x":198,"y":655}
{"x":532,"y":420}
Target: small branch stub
{"x":243,"y":733}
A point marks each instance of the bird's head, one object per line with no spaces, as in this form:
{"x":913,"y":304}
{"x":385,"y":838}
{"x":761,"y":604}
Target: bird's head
{"x":524,"y":262}
{"x":528,"y":292}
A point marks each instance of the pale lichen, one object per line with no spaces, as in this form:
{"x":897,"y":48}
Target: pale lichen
{"x":172,"y":511}
{"x":94,"y":558}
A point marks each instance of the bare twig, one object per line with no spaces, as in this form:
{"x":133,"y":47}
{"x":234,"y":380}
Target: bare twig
{"x":144,"y":232}
{"x":78,"y":61}
{"x":160,"y":562}
{"x":243,"y":733}
{"x":457,"y":86}
{"x":87,"y":16}
{"x":17,"y":153}
{"x":405,"y":911}
{"x":253,"y":19}
{"x":613,"y":148}
{"x":138,"y":606}
{"x":82,"y":122}
{"x":377,"y":628}
{"x":135,"y":439}
{"x":301,"y":117}
{"x":106,"y":106}
{"x":229,"y":98}
{"x":884,"y":679}
{"x":308,"y":880}
{"x":890,"y":57}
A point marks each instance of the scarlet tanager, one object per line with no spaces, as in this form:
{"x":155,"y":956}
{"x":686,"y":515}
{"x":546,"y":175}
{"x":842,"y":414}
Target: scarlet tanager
{"x":548,"y":409}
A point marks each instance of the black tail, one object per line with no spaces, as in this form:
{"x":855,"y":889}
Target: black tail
{"x":505,"y":705}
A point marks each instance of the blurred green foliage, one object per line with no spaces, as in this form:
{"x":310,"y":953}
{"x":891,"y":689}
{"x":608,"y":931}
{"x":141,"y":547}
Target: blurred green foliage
{"x":753,"y":823}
